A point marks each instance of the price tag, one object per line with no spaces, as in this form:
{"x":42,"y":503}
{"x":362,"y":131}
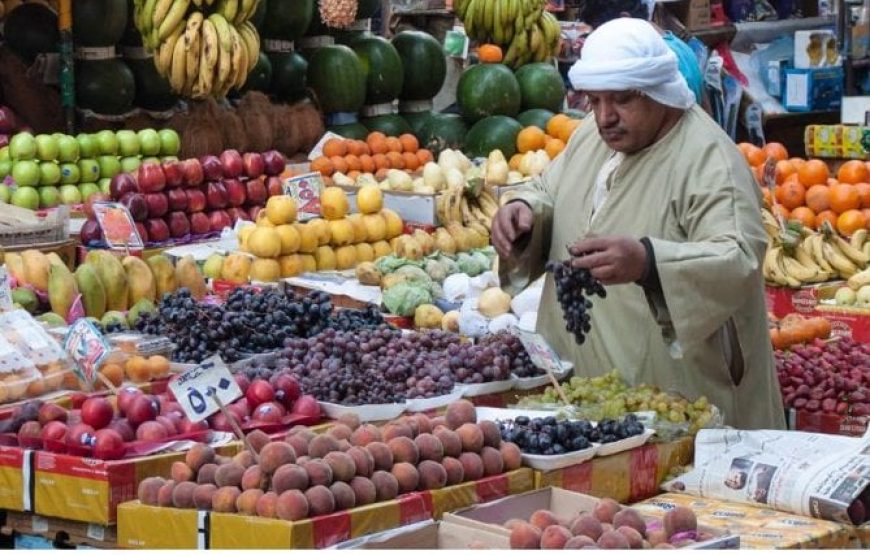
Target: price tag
{"x":87,"y":347}
{"x":317,"y":151}
{"x":117,"y":225}
{"x":540,"y":352}
{"x":196,"y":389}
{"x":5,"y":290}
{"x":305,"y":189}
{"x":456,"y":43}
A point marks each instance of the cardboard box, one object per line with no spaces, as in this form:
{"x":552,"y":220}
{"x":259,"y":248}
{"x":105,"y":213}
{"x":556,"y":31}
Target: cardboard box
{"x":837,"y":141}
{"x":145,"y":527}
{"x":456,"y":497}
{"x":816,"y":49}
{"x":413,"y":207}
{"x":16,"y":475}
{"x":428,"y":535}
{"x":845,"y":321}
{"x":64,"y":532}
{"x":565,"y":504}
{"x":854,"y":426}
{"x":808,"y":90}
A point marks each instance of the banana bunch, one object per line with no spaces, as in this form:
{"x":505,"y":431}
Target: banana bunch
{"x":476,"y":212}
{"x":529,"y":33}
{"x":814,"y":257}
{"x":204,"y":52}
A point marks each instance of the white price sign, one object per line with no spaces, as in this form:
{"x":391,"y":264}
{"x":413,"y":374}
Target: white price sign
{"x":540,"y":352}
{"x":197,"y":388}
{"x":5,"y":290}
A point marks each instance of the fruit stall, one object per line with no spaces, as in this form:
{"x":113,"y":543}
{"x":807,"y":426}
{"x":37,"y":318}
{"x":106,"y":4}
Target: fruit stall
{"x":249,"y":297}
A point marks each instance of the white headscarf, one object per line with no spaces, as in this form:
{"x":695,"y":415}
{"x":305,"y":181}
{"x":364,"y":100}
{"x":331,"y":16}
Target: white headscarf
{"x":629,"y":54}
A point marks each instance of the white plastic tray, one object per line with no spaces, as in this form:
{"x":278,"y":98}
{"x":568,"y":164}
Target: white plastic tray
{"x":555,"y":462}
{"x":366,"y":413}
{"x":538,"y":381}
{"x":422,"y":405}
{"x":476,"y":389}
{"x":625,"y":444}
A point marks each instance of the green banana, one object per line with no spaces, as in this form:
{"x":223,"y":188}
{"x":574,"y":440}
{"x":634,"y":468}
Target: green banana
{"x":228,"y":9}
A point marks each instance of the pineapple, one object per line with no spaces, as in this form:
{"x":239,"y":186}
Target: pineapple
{"x":338,"y":14}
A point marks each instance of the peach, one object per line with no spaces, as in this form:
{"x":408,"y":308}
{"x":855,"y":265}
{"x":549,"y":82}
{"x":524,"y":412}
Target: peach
{"x":300,"y":430}
{"x":206,"y":473}
{"x":293,"y":505}
{"x":492,"y":461}
{"x":381,"y":454}
{"x":396,"y":429}
{"x":460,"y":412}
{"x":432,"y":475}
{"x":289,"y":476}
{"x":513,"y":522}
{"x":586,"y":525}
{"x":149,"y":488}
{"x":244,"y":458}
{"x":613,"y":540}
{"x":253,"y":478}
{"x":525,"y":536}
{"x":164,"y":494}
{"x":471,"y":437}
{"x":511,"y":455}
{"x":542,"y":518}
{"x":246,"y":502}
{"x":258,"y":439}
{"x":656,"y":537}
{"x":472,"y":466}
{"x":342,"y":465}
{"x":350,"y":420}
{"x":450,"y":441}
{"x":202,"y":496}
{"x":321,"y":445}
{"x":299,"y":445}
{"x":605,"y":510}
{"x":424,"y":424}
{"x":319,"y":473}
{"x":386,"y":485}
{"x":429,"y":447}
{"x":229,"y":474}
{"x":182,"y":495}
{"x":276,"y":454}
{"x":224,"y":499}
{"x":455,"y":472}
{"x":631,"y":518}
{"x":679,"y":519}
{"x":267,"y":505}
{"x":491,"y":433}
{"x":407,"y":475}
{"x":404,"y":450}
{"x":365,"y":434}
{"x":412,"y":425}
{"x":199,"y":455}
{"x":438,"y":421}
{"x":344,"y":496}
{"x":320,"y":500}
{"x":363,"y":461}
{"x":555,"y":537}
{"x":364,"y":490}
{"x":632,"y":536}
{"x":579,"y":542}
{"x":340,"y":431}
{"x":180,"y":472}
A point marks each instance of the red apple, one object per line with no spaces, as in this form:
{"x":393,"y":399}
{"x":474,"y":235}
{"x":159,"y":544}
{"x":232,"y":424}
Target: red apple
{"x":199,"y":223}
{"x":216,"y":195}
{"x":157,"y":230}
{"x":124,"y":429}
{"x":179,"y":225}
{"x":151,"y":431}
{"x":254,"y":164}
{"x":49,"y":412}
{"x":259,"y":392}
{"x":158,"y":204}
{"x":307,"y":405}
{"x":97,"y":412}
{"x":195,"y":200}
{"x":7,"y":120}
{"x":287,"y":389}
{"x":232,"y":163}
{"x":28,"y":432}
{"x":236,"y":192}
{"x":143,"y":408}
{"x":77,"y":399}
{"x":122,"y":184}
{"x":235,"y":213}
{"x":192,"y":171}
{"x":90,"y":233}
{"x":243,"y":406}
{"x":274,"y":162}
{"x":257,"y":193}
{"x":143,"y":233}
{"x":151,"y":178}
{"x":212,"y":170}
{"x":80,"y":434}
{"x":242,"y":381}
{"x":219,"y":220}
{"x":54,"y":431}
{"x":177,"y":199}
{"x":173,"y":173}
{"x":137,"y":205}
{"x":188,"y":427}
{"x":238,"y":413}
{"x":108,"y":444}
{"x":169,"y":405}
{"x":254,"y":210}
{"x":268,"y":412}
{"x":274,"y":186}
{"x":220,"y":423}
{"x":89,"y":203}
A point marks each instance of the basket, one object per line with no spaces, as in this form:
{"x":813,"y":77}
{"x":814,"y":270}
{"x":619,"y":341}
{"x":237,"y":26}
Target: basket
{"x":16,"y":231}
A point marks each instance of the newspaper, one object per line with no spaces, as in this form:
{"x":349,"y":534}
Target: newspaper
{"x":815,"y":475}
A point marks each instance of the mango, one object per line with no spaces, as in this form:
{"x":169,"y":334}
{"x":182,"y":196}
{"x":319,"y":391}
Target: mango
{"x":140,"y":281}
{"x":26,"y":299}
{"x":36,"y":268}
{"x":164,"y":274}
{"x":142,"y":306}
{"x":51,"y":319}
{"x":62,"y":289}
{"x":15,"y":265}
{"x":92,"y":290}
{"x":113,"y":317}
{"x":187,"y":274}
{"x":113,"y":276}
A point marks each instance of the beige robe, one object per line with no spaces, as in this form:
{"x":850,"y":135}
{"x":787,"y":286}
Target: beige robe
{"x":692,"y":194}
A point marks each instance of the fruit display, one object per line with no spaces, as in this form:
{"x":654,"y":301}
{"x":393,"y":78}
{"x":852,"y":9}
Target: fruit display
{"x":794,"y":329}
{"x":511,"y":346}
{"x":48,"y":170}
{"x":202,"y":47}
{"x":549,"y":436}
{"x":830,"y":377}
{"x":349,"y":159}
{"x":534,"y":141}
{"x":524,"y":28}
{"x":608,"y":526}
{"x":574,"y":286}
{"x":424,"y":68}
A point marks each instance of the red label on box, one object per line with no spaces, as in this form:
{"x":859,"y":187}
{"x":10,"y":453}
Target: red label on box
{"x":854,"y":426}
{"x":643,"y":467}
{"x":11,"y":457}
{"x":331,"y":529}
{"x":76,"y":467}
{"x":494,"y":487}
{"x":578,"y":477}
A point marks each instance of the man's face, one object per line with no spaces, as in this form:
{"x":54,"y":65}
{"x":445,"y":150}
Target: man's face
{"x":628,"y":121}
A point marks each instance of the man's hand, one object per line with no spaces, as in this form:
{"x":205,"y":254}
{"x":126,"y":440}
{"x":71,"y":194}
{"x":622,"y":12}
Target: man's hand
{"x":613,"y":260}
{"x":512,"y":221}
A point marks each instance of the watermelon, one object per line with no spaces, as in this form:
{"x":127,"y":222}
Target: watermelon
{"x":383,"y":69}
{"x":536,"y":116}
{"x":99,"y":22}
{"x":31,"y":29}
{"x":356,"y":131}
{"x":417,"y":120}
{"x":541,"y":86}
{"x":488,"y":90}
{"x":338,"y":79}
{"x":287,"y":20}
{"x":423,"y":64}
{"x":260,"y":78}
{"x":105,"y":86}
{"x":152,"y":89}
{"x":289,"y":74}
{"x":443,"y":131}
{"x":391,"y":125}
{"x":490,"y":133}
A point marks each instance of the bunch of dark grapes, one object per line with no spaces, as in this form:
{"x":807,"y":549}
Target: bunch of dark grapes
{"x":356,"y":319}
{"x":509,"y":345}
{"x":608,"y":431}
{"x":573,"y":286}
{"x":546,"y":436}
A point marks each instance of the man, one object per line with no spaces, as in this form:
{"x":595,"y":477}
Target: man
{"x":657,"y":202}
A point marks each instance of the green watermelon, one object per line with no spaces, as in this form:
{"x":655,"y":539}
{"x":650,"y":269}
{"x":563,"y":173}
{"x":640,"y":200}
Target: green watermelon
{"x":289,"y":75}
{"x":488,"y":90}
{"x":31,"y":29}
{"x":105,"y":86}
{"x":382,"y":66}
{"x":356,"y":131}
{"x":99,"y":22}
{"x":338,"y":79}
{"x":536,"y":116}
{"x":423,"y":64}
{"x":152,"y":89}
{"x":490,"y":133}
{"x":541,"y":86}
{"x":417,"y":120}
{"x":391,"y":125}
{"x":443,"y":131}
{"x":285,"y":20}
{"x":260,"y":78}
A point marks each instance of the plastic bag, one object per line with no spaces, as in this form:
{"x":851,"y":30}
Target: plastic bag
{"x":505,"y":322}
{"x":403,"y":299}
{"x":456,"y":287}
{"x":529,"y":299}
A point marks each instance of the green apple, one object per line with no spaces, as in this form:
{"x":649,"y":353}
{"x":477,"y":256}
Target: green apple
{"x":69,"y":194}
{"x":68,"y":149}
{"x":128,"y":143}
{"x":845,"y":296}
{"x":88,"y":189}
{"x":90,"y":170}
{"x":46,"y":147}
{"x":88,"y":147}
{"x":110,"y":166}
{"x":149,"y":141}
{"x":130,"y":164}
{"x":49,"y":173}
{"x":5,"y":168}
{"x":22,"y":146}
{"x":107,"y":142}
{"x":5,"y":193}
{"x":170,"y":142}
{"x":4,"y":154}
{"x":70,"y":173}
{"x":25,"y":173}
{"x":49,"y":197}
{"x":151,"y":160}
{"x":169,"y":158}
{"x":105,"y":185}
{"x":25,"y":197}
{"x":57,"y":135}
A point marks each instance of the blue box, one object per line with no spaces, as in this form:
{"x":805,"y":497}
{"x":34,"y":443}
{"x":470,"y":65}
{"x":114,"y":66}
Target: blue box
{"x":808,"y":90}
{"x":25,"y":541}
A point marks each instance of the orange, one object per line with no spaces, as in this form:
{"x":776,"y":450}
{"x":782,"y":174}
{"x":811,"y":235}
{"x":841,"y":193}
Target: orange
{"x":853,"y":171}
{"x":781,"y":211}
{"x":813,"y":172}
{"x":339,"y":163}
{"x":514,"y":162}
{"x":377,"y":142}
{"x":138,"y":370}
{"x":353,"y":174}
{"x":555,"y":124}
{"x":159,"y":366}
{"x":754,"y":155}
{"x":554,"y":147}
{"x":409,"y":143}
{"x":411,"y":161}
{"x":489,"y":53}
{"x":353,"y":163}
{"x":424,"y":156}
{"x":568,"y":130}
{"x":114,"y":373}
{"x":381,"y":161}
{"x":784,"y":170}
{"x":851,"y":221}
{"x":367,"y":164}
{"x":797,"y":162}
{"x":776,"y":151}
{"x":864,"y":193}
{"x":394,"y":144}
{"x":826,"y":216}
{"x":830,"y":182}
{"x":844,"y":197}
{"x":804,"y":215}
{"x":357,"y":147}
{"x":323,"y":165}
{"x":396,"y":160}
{"x":756,"y":173}
{"x":790,"y":194}
{"x":818,"y":198}
{"x":866,"y":212}
{"x":531,"y":138}
{"x":334,"y":147}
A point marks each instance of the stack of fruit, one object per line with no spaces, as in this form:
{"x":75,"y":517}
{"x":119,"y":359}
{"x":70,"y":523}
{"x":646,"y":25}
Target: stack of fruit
{"x":794,"y":329}
{"x":375,"y":156}
{"x":307,"y":475}
{"x":61,"y":169}
{"x":202,"y":47}
{"x":534,"y":140}
{"x":856,"y":292}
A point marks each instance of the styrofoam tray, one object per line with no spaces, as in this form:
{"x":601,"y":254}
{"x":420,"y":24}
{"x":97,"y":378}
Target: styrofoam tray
{"x":555,"y":462}
{"x":538,"y":381}
{"x":422,"y":405}
{"x":366,"y":413}
{"x":625,"y":444}
{"x":476,"y":389}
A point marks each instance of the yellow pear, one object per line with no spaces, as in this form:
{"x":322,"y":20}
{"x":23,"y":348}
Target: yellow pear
{"x":376,"y":227}
{"x":263,"y":221}
{"x":321,"y":229}
{"x":307,"y":237}
{"x":290,"y":239}
{"x":236,"y":268}
{"x":281,"y":209}
{"x":264,"y":242}
{"x":309,"y":263}
{"x":325,"y":258}
{"x":341,"y":232}
{"x":292,"y":265}
{"x":365,"y":252}
{"x":394,"y":223}
{"x":360,"y":234}
{"x":243,"y":236}
{"x":333,"y":203}
{"x":382,"y":248}
{"x":345,"y":257}
{"x":265,"y":269}
{"x":369,"y":199}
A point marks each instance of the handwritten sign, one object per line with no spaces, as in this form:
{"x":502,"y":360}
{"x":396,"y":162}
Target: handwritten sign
{"x":197,"y":388}
{"x":540,"y":352}
{"x":305,"y":190}
{"x":87,"y":347}
{"x":117,"y":225}
{"x":5,"y":290}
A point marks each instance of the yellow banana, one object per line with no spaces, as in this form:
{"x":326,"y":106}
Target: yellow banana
{"x":798,"y":271}
{"x":252,"y":43}
{"x":860,"y":279}
{"x":239,"y":59}
{"x":246,"y":11}
{"x":207,"y":60}
{"x":228,"y":9}
{"x":147,"y":19}
{"x":814,"y":244}
{"x":779,"y":272}
{"x":173,"y":19}
{"x":838,"y":260}
{"x":161,"y":10}
{"x":853,"y":254}
{"x":496,"y":30}
{"x":163,"y":56}
{"x":178,"y":71}
{"x":858,"y":239}
{"x":224,"y":61}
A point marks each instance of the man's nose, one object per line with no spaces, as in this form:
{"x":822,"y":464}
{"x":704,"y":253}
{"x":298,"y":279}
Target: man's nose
{"x":607,"y":116}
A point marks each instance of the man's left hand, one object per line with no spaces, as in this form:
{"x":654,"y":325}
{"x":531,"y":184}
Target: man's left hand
{"x":612,"y":260}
